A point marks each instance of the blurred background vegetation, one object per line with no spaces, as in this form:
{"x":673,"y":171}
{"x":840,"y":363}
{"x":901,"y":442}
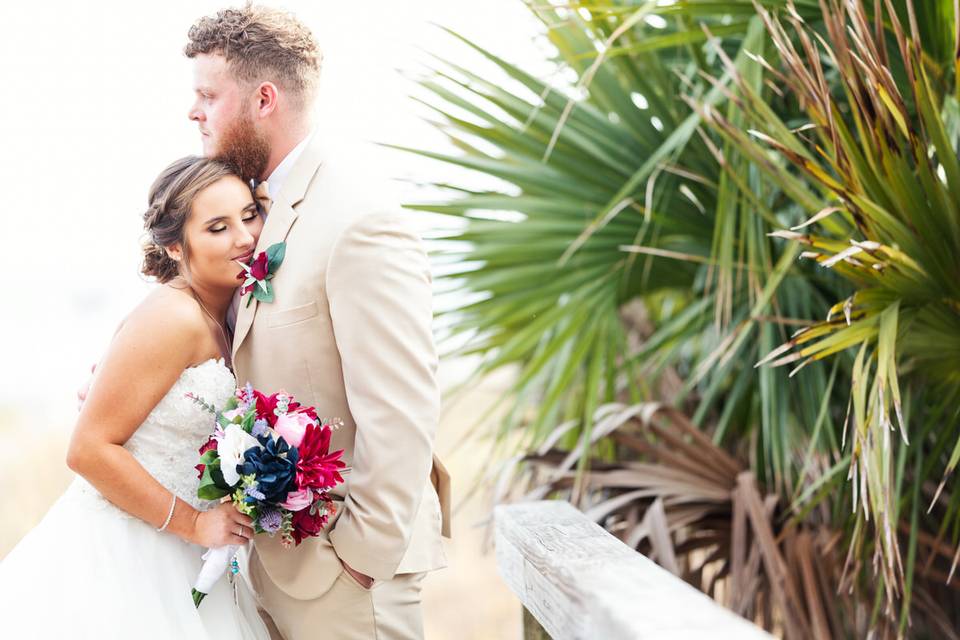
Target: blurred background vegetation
{"x":720,"y":257}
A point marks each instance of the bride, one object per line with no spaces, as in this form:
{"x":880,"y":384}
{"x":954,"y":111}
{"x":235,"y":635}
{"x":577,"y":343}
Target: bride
{"x":117,"y":554}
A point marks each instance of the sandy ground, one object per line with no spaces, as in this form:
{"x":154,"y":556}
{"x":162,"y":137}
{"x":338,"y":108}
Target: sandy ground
{"x":467,"y":600}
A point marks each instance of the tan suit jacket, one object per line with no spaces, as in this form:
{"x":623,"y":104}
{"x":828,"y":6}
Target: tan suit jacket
{"x":349,"y":332}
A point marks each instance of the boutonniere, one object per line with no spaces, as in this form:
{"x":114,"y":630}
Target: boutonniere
{"x":259,"y":272}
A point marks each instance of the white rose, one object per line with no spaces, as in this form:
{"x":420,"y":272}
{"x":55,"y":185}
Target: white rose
{"x":235,"y":441}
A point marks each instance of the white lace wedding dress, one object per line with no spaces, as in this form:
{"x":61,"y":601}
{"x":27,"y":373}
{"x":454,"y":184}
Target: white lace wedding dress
{"x":91,"y":570}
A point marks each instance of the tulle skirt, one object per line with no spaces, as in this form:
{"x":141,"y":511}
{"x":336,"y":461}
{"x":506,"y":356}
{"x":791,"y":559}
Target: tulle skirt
{"x":89,"y":572}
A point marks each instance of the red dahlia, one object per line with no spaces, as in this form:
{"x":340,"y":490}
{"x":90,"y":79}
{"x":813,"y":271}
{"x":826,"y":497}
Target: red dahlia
{"x":317,"y":468}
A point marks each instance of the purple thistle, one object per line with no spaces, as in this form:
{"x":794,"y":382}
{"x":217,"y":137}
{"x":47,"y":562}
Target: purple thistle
{"x":260,"y":428}
{"x":270,"y":520}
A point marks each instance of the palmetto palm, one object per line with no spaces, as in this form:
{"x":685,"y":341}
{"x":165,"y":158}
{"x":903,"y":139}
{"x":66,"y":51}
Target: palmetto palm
{"x":638,"y":265}
{"x":884,"y":180}
{"x":621,"y":199}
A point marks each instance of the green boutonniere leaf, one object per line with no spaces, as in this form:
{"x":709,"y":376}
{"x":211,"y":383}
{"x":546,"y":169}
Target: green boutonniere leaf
{"x":263,"y":293}
{"x":258,"y":273}
{"x":275,"y":254}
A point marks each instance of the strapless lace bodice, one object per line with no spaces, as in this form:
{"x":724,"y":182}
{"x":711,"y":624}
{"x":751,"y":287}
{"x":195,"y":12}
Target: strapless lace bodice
{"x":166,"y":443}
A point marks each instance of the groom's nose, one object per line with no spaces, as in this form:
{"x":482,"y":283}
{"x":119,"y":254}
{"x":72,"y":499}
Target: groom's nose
{"x":194,"y":113}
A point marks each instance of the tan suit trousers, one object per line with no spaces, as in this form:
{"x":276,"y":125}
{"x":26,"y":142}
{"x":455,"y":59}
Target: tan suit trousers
{"x":388,"y":611}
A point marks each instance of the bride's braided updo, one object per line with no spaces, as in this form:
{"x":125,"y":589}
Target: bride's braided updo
{"x":170,"y":200}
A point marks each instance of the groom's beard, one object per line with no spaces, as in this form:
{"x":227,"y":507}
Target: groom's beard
{"x":246,"y":149}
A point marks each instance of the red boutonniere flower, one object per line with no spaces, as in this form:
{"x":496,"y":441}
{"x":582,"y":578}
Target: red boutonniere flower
{"x":259,"y":272}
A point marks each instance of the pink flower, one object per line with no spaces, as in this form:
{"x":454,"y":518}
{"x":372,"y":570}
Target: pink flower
{"x":233,"y":413}
{"x":297,"y":500}
{"x":292,"y":426}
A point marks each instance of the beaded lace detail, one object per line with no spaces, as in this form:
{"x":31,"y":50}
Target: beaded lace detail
{"x":166,"y":443}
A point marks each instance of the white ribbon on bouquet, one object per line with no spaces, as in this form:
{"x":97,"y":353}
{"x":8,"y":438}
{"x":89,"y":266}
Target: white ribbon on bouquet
{"x":215,"y":563}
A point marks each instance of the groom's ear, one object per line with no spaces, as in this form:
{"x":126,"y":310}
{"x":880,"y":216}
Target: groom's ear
{"x":267,"y":97}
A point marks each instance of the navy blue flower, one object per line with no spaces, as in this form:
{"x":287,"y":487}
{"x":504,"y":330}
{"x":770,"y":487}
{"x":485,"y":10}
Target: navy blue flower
{"x":274,"y":466}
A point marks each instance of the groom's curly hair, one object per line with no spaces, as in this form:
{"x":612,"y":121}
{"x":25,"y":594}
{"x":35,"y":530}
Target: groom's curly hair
{"x":260,"y":43}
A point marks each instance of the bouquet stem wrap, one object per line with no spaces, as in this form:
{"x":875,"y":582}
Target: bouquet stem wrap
{"x":215,"y":563}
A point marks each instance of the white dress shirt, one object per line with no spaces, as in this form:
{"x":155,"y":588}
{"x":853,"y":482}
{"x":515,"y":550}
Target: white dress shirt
{"x":276,"y":178}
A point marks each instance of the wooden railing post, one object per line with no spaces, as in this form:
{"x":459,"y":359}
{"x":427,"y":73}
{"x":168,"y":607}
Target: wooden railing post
{"x":578,"y":582}
{"x":532,"y":629}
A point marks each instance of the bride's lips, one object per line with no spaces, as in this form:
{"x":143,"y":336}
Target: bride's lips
{"x":245,"y":257}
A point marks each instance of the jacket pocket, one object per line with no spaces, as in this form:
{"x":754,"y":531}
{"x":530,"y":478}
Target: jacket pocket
{"x":292,"y":315}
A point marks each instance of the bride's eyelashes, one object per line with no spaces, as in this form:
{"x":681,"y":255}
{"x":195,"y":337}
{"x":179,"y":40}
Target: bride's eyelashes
{"x":219,"y":229}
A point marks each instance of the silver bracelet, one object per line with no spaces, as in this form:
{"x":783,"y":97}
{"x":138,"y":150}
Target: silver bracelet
{"x":173,"y":504}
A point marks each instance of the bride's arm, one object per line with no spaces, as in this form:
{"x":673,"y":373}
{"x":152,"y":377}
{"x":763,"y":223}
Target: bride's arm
{"x":156,"y":343}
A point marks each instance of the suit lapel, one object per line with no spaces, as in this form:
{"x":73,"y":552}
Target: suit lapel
{"x":281,"y":218}
{"x":283,"y":213}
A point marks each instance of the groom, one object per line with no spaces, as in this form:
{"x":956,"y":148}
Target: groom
{"x":349,"y":332}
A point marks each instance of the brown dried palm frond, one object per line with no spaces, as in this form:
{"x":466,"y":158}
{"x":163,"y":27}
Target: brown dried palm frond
{"x":695,"y":508}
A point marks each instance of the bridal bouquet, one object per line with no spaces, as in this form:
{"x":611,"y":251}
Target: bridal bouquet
{"x":271,"y":457}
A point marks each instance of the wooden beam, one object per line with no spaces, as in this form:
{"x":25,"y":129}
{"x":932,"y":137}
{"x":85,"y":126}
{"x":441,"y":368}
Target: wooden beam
{"x":580,"y":582}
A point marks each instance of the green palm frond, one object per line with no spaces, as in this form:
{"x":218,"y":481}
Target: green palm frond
{"x":641,"y":243}
{"x":886,"y":217}
{"x":616,"y":197}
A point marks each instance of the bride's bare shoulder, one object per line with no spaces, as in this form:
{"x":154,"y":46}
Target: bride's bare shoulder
{"x":166,"y":313}
{"x":163,"y":335}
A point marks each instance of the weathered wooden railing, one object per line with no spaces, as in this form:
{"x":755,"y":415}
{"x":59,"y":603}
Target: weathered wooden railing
{"x":576,"y":581}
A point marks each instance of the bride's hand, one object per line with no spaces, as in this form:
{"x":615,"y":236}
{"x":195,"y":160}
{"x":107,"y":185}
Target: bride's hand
{"x":221,"y":526}
{"x":85,"y":389}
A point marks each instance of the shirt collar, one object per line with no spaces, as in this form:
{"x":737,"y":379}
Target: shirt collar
{"x":276,"y":179}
